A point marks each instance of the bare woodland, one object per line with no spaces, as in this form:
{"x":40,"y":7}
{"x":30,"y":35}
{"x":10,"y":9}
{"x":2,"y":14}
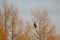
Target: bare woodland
{"x":11,"y":27}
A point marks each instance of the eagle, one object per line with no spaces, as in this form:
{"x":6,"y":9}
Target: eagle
{"x":35,"y":25}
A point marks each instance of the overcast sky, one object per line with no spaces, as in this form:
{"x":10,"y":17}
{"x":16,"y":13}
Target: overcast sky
{"x":52,"y":6}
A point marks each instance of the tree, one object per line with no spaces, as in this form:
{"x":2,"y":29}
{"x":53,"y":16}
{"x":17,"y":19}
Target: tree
{"x":3,"y":34}
{"x":42,"y":25}
{"x":24,"y":31}
{"x":8,"y":21}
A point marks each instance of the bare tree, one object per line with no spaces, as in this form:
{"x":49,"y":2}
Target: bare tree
{"x":43,"y":26}
{"x":9,"y":20}
{"x":3,"y":34}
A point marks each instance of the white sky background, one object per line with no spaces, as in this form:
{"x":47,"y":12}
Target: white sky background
{"x":52,"y":6}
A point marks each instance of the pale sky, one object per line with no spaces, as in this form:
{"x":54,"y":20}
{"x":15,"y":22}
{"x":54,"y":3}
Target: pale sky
{"x":52,"y":6}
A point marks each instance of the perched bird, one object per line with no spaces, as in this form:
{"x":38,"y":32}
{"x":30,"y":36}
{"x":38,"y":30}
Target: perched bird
{"x":35,"y":25}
